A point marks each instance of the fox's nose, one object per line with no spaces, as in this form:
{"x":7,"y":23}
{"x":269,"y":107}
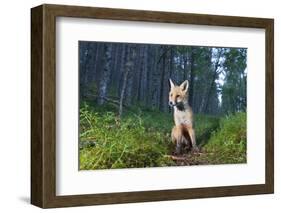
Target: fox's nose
{"x":171,"y":103}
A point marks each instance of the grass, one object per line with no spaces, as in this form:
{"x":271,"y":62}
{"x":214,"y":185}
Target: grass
{"x":142,"y":139}
{"x":130,"y":143}
{"x":228,"y":144}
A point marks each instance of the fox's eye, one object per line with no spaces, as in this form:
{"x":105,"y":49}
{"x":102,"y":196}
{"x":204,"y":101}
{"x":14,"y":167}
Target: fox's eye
{"x":171,"y":94}
{"x":177,"y":96}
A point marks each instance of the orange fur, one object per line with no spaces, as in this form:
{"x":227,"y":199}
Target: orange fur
{"x":183,"y":132}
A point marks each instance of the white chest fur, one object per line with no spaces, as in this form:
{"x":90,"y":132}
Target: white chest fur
{"x":182,"y":116}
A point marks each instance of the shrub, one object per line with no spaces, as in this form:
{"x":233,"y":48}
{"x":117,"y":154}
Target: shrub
{"x":204,"y":126}
{"x":129,"y":143}
{"x":228,"y":144}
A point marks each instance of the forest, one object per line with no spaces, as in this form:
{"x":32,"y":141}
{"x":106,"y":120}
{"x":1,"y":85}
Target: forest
{"x":125,"y":119}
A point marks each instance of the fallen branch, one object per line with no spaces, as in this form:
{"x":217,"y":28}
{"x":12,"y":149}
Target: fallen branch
{"x":173,"y":157}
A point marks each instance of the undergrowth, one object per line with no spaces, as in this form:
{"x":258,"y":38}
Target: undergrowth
{"x":229,"y":143}
{"x":142,"y":138}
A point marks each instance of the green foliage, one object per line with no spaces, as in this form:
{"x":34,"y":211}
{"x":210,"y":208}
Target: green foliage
{"x":234,"y":89}
{"x":142,"y":138}
{"x":130,"y":143}
{"x":204,"y":127}
{"x":228,"y":144}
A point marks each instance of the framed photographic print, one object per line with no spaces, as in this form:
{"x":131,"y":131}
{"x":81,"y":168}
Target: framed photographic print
{"x":136,"y":106}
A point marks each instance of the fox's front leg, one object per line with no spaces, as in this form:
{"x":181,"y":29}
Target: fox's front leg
{"x":193,"y":140}
{"x":178,"y":147}
{"x":176,"y":138}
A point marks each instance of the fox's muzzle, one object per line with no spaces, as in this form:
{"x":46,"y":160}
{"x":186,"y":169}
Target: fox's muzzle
{"x":172,"y":104}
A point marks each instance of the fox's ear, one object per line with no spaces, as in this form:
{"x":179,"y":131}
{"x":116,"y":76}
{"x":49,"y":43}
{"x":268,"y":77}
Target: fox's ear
{"x":171,"y":84}
{"x":184,"y":86}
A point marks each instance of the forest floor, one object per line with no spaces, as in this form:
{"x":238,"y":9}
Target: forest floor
{"x":142,"y":139}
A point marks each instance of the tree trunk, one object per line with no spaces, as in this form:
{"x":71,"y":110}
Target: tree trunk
{"x":191,"y":77}
{"x":121,"y":68}
{"x":143,"y":76}
{"x":155,"y":79}
{"x":185,"y":72}
{"x":130,"y":83}
{"x":163,"y":71}
{"x":149,"y":71}
{"x":138,"y":73}
{"x":214,"y":77}
{"x":105,"y":76}
{"x":129,"y":64}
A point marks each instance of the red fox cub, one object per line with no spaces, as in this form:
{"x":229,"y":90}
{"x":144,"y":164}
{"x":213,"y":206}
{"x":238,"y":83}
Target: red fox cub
{"x":183,"y":132}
